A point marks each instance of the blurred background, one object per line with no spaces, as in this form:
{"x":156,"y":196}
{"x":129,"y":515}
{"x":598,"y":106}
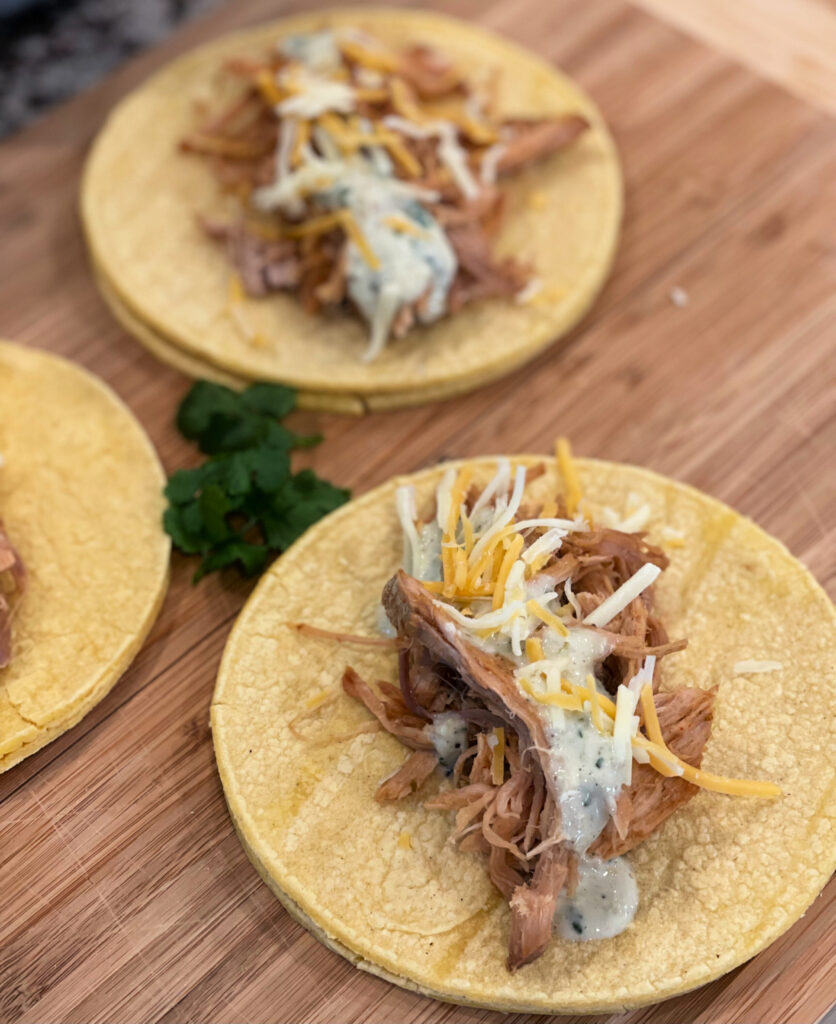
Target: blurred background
{"x":52,"y":49}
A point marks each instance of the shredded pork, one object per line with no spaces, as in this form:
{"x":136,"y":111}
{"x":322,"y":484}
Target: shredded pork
{"x":513,"y":816}
{"x":241,"y":145}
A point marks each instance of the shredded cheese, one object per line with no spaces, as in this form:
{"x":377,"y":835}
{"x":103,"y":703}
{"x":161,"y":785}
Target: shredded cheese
{"x":533,"y":649}
{"x":622,"y":732}
{"x":372,"y":57}
{"x":544,"y":615}
{"x":617,"y":602}
{"x":707,"y":780}
{"x":563,"y":452}
{"x":511,"y":555}
{"x":498,"y":761}
{"x":338,"y":219}
{"x":405,"y":225}
{"x":490,"y":162}
{"x":269,"y":88}
{"x":752,"y":667}
{"x":651,"y":719}
{"x":564,"y":701}
{"x":405,"y":507}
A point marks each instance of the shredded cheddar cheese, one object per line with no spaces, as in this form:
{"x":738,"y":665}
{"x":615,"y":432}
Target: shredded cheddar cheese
{"x":544,"y":615}
{"x":405,"y":225}
{"x":269,"y":88}
{"x":376,"y":59}
{"x":533,"y":649}
{"x":564,"y":701}
{"x":563,"y":452}
{"x":498,"y":760}
{"x":651,"y":719}
{"x":338,"y":219}
{"x":511,"y":555}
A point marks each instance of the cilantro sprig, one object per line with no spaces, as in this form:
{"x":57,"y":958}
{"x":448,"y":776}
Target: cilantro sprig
{"x":243,"y":503}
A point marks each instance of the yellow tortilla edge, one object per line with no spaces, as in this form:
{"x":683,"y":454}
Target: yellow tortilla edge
{"x":111,"y":674}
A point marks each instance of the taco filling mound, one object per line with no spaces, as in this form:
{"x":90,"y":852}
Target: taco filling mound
{"x":370,"y":177}
{"x":527,"y":671}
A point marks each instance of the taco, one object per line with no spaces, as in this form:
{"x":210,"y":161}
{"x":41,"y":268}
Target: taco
{"x":361,"y":202}
{"x":534,"y":740}
{"x":83,"y":557}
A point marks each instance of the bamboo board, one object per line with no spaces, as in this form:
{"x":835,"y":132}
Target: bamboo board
{"x":125,"y":894}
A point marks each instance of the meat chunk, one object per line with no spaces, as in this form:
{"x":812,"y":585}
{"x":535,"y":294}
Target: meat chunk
{"x":533,"y":140}
{"x":411,"y":611}
{"x":411,"y":775}
{"x":265,"y":265}
{"x":533,"y":906}
{"x":408,"y":729}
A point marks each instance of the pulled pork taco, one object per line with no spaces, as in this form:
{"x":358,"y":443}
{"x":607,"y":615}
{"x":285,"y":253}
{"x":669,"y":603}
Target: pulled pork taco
{"x":343,"y":201}
{"x":83,"y":557}
{"x":517,"y":735}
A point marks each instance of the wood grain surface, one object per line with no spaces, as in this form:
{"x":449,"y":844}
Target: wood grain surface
{"x":792,"y":42}
{"x":125,"y":895}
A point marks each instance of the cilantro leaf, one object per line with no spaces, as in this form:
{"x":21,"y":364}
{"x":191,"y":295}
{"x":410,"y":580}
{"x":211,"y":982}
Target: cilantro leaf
{"x":243,"y":504}
{"x":222,"y":420}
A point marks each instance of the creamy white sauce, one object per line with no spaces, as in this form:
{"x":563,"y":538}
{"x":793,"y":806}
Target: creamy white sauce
{"x":588,"y":772}
{"x":603,"y":904}
{"x":412,"y":266}
{"x":319,"y":50}
{"x":577,"y":655}
{"x":449,"y":736}
{"x":383,"y":622}
{"x":427,"y":554}
{"x":587,"y":768}
{"x":314,"y":95}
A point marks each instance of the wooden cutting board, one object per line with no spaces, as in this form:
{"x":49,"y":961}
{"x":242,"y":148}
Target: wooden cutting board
{"x":125,"y":895}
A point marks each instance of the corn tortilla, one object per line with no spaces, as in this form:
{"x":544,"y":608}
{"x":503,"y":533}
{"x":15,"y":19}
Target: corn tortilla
{"x":382,"y":885}
{"x":192,"y":366}
{"x":81,"y":499}
{"x":140,"y":196}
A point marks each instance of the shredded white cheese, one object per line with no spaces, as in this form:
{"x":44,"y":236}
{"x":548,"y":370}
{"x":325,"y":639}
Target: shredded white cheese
{"x":625,"y":705}
{"x":490,"y":620}
{"x":405,"y":505}
{"x":505,"y":517}
{"x":643,"y":676}
{"x":443,"y":496}
{"x":314,"y":95}
{"x":499,"y":481}
{"x":452,"y":155}
{"x":529,"y":292}
{"x":751,"y":667}
{"x":570,"y":597}
{"x":617,"y":602}
{"x":550,"y":541}
{"x":490,"y":163}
